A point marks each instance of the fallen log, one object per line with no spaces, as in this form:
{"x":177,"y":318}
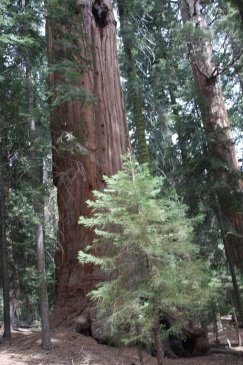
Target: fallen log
{"x":226,"y":351}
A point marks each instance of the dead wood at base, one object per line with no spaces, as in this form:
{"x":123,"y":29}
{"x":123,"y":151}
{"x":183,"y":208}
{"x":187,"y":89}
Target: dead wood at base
{"x":193,"y":343}
{"x":226,"y":351}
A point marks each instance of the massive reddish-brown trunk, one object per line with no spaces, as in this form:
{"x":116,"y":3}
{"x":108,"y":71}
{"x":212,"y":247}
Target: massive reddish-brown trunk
{"x":217,"y":128}
{"x":102,"y":131}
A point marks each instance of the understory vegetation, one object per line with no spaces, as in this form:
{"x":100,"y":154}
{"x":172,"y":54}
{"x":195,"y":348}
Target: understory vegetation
{"x":161,"y":226}
{"x":144,"y":244}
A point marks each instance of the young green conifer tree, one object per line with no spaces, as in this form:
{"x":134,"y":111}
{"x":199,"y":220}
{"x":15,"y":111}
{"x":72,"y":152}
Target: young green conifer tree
{"x":145,"y":239}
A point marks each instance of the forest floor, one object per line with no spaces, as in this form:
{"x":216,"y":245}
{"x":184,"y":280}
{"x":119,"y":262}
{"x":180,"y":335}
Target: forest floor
{"x":70,"y":348}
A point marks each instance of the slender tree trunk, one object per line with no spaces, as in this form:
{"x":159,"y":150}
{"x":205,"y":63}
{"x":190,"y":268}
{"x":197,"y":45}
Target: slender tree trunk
{"x":14,"y":306}
{"x":133,"y":85}
{"x":218,"y":133}
{"x":15,"y":289}
{"x":236,"y":326}
{"x":237,"y":296}
{"x":28,"y":311}
{"x":4,"y":255}
{"x":140,"y":355}
{"x":216,"y":330}
{"x":44,"y":305}
{"x":38,"y":207}
{"x":4,"y":259}
{"x":157,"y":339}
{"x":99,"y":127}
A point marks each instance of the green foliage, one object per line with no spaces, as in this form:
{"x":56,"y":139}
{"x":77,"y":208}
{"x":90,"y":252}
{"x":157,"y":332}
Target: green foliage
{"x":68,"y":142}
{"x":151,"y":261}
{"x":69,"y":60}
{"x":69,"y":93}
{"x":22,"y":42}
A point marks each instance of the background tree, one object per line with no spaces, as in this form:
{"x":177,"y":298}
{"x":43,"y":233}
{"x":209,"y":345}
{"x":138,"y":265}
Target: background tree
{"x":38,"y":203}
{"x":224,"y":166}
{"x":4,"y":255}
{"x":168,"y":85}
{"x":128,"y":28}
{"x":22,"y":99}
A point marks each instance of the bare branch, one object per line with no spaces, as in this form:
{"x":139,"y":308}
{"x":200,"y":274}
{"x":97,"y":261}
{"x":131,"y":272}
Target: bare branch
{"x":231,"y":63}
{"x":193,"y":60}
{"x":216,"y":17}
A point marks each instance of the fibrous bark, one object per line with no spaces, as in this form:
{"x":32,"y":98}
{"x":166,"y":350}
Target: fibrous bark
{"x":100,"y":128}
{"x":224,"y":164}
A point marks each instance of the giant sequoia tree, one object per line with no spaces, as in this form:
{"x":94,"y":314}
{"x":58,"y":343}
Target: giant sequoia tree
{"x":224,"y":165}
{"x":223,"y":169}
{"x":89,"y":132}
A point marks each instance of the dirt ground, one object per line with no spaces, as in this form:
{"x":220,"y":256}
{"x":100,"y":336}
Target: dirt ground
{"x":70,"y":348}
